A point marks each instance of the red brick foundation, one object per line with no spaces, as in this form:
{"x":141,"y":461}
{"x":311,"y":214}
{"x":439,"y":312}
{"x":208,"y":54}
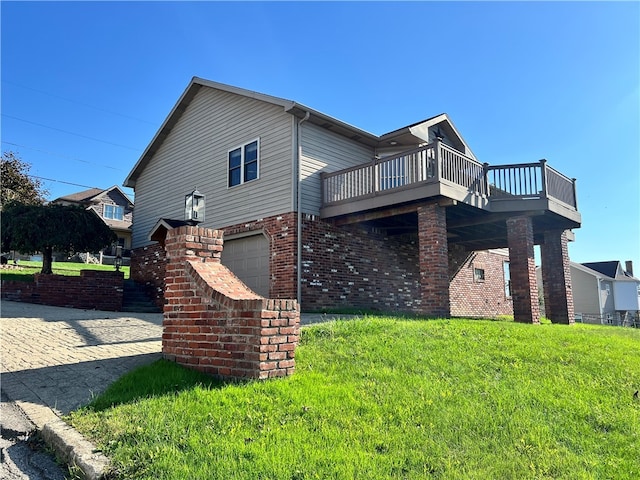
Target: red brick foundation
{"x":93,"y":289}
{"x":213,"y":322}
{"x":350,"y":267}
{"x":556,"y":278}
{"x":524,"y":287}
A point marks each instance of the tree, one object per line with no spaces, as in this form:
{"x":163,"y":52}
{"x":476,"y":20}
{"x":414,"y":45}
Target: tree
{"x":17,"y":184}
{"x":49,"y":228}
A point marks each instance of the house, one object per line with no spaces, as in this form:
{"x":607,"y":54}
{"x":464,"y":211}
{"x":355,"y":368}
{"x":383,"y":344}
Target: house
{"x":115,"y":209}
{"x":606,"y":293}
{"x":316,"y":209}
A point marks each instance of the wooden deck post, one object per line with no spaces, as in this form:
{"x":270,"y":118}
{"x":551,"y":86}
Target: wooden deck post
{"x":556,"y":277}
{"x":524,"y":287}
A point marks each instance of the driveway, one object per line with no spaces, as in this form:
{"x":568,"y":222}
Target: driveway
{"x":56,"y":359}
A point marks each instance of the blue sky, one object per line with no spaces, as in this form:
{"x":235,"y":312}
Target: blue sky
{"x":85,"y":85}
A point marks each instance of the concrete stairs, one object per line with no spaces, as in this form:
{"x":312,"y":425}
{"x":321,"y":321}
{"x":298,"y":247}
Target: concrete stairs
{"x":137,"y":299}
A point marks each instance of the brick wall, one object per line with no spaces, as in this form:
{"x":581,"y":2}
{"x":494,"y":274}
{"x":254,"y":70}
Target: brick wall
{"x":213,"y":322}
{"x":342,"y":267}
{"x":351,"y":267}
{"x":487,"y":298}
{"x":93,"y":289}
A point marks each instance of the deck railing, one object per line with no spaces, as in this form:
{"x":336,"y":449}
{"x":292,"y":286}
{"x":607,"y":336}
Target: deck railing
{"x":436,"y":162}
{"x":530,"y":181}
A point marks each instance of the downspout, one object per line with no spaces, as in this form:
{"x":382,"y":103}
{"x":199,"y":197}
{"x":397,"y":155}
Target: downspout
{"x":298,"y":183}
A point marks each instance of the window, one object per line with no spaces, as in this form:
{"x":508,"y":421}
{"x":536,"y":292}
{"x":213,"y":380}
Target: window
{"x":507,"y":279}
{"x":243,"y":163}
{"x":478,"y":274}
{"x":113,"y":212}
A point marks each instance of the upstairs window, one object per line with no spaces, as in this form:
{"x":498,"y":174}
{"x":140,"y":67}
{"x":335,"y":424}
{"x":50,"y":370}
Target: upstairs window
{"x":113,"y":212}
{"x":243,"y":163}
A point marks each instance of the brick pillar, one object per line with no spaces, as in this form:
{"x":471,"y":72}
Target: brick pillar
{"x":216,"y":324}
{"x":556,"y":277}
{"x":524,"y":287}
{"x":434,"y":261}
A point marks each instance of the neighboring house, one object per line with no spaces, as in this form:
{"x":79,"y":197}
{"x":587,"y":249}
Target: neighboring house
{"x":316,"y":209}
{"x":605,"y":293}
{"x":115,"y":209}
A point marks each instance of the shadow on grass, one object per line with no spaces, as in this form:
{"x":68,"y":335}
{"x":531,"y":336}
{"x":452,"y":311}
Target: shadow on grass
{"x":156,"y":379}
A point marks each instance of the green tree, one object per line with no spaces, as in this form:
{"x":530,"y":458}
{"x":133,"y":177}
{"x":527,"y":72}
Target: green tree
{"x":17,"y":185}
{"x":49,"y":228}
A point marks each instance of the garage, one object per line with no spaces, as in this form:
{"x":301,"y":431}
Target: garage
{"x":248,"y":258}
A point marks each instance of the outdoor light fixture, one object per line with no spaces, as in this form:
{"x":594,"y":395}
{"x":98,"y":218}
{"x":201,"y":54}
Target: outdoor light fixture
{"x":194,"y":207}
{"x":118,"y":261}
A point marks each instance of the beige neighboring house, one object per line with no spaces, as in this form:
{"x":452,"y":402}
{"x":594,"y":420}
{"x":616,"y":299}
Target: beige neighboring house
{"x":115,"y":209}
{"x":605,"y":293}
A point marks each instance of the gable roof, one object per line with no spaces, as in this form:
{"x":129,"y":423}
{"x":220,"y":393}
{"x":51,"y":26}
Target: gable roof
{"x":412,"y":133}
{"x":91,"y":195}
{"x":81,"y":197}
{"x":608,"y":269}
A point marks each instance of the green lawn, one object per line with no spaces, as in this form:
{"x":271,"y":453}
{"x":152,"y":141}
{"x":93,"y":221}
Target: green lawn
{"x":384,"y":398}
{"x":59,"y":268}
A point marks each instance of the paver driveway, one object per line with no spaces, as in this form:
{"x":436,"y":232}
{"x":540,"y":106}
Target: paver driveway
{"x":56,"y":359}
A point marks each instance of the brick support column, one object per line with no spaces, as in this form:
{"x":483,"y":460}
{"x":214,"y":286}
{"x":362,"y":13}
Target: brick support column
{"x":524,"y":287}
{"x":434,"y":261}
{"x":556,"y":278}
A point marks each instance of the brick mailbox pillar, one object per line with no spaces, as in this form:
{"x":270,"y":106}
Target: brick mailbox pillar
{"x":216,"y":324}
{"x":556,"y":277}
{"x":524,"y":287}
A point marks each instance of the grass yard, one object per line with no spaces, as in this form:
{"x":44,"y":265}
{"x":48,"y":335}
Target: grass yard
{"x":59,"y":268}
{"x":385,"y":398}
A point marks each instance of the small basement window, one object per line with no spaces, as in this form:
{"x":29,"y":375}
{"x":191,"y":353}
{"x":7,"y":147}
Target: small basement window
{"x":243,"y":163}
{"x":478,"y":274}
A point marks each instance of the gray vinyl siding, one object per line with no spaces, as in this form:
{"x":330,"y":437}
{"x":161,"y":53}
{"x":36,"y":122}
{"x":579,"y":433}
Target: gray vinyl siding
{"x":195,"y":155}
{"x":325,"y":151}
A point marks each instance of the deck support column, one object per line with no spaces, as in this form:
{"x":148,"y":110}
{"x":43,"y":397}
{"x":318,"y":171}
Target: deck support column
{"x":556,"y":278}
{"x":434,"y":261}
{"x":524,"y":288}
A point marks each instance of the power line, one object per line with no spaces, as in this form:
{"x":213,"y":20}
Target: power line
{"x":79,"y":103}
{"x":60,"y":155}
{"x":71,"y":133}
{"x":60,"y":181}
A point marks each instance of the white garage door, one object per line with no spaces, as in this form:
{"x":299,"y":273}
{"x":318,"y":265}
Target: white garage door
{"x":248,"y":258}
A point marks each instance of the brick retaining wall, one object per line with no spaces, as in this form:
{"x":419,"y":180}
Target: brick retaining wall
{"x":93,"y":289}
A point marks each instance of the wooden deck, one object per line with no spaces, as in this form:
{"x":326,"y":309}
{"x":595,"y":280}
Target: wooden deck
{"x":437,"y":170}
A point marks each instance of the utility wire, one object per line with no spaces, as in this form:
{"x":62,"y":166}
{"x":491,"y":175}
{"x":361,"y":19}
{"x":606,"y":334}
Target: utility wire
{"x":79,"y":103}
{"x":60,"y":155}
{"x":60,"y":181}
{"x":71,"y":133}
